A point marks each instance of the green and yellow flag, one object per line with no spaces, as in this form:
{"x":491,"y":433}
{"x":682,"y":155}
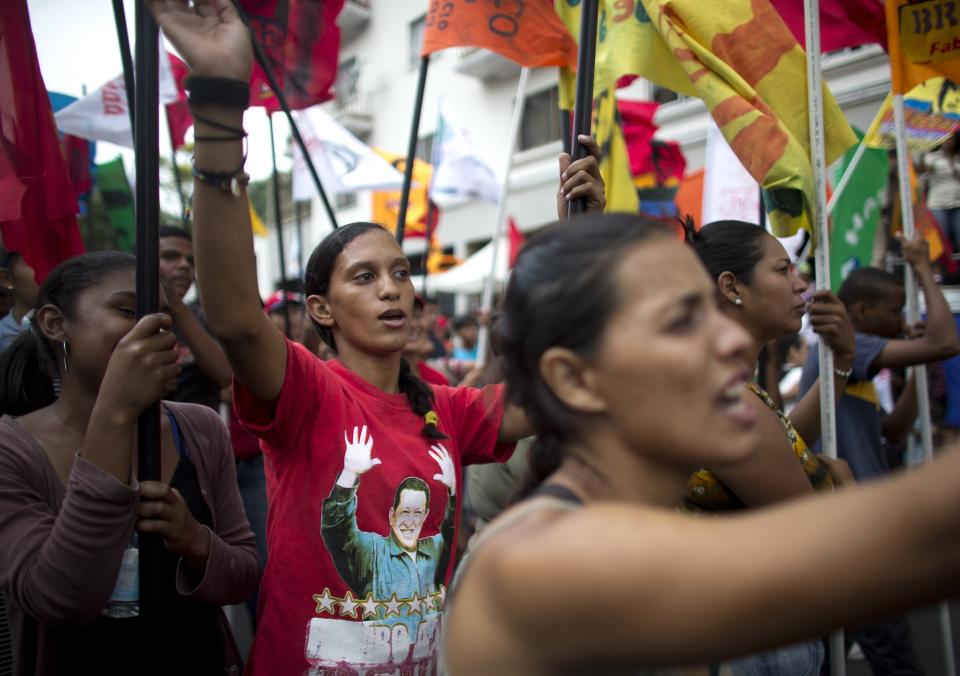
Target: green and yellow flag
{"x":742,"y":60}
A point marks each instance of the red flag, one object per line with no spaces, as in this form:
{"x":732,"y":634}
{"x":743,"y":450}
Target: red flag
{"x":843,"y":23}
{"x":301,"y":41}
{"x":515,"y":240}
{"x":179,"y":118}
{"x":38,"y":204}
{"x":529,"y":33}
{"x":652,"y":162}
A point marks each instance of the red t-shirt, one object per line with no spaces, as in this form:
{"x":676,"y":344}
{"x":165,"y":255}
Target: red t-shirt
{"x":430,"y":375}
{"x":360,"y":553}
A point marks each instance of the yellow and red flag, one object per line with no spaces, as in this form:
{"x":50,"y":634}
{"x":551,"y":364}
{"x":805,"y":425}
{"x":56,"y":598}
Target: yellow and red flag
{"x":529,"y":33}
{"x":923,"y":39}
{"x":750,"y":72}
{"x":386,"y":203}
{"x":627,"y":44}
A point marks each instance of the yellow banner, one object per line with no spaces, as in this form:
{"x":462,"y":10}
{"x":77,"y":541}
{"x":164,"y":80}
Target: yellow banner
{"x":386,"y":203}
{"x":930,"y":31}
{"x":750,"y":72}
{"x":911,"y":60}
{"x":614,"y":162}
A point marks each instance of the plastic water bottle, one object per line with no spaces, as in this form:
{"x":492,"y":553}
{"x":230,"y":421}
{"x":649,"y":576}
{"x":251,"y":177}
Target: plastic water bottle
{"x":125,"y":599}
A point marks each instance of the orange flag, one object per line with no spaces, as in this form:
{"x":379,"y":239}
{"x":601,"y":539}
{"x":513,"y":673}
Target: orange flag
{"x":923,"y":39}
{"x":528,"y":32}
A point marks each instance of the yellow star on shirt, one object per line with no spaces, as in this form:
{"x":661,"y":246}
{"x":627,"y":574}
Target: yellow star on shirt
{"x":370,"y":607}
{"x":413,"y":604}
{"x":441,"y":596}
{"x":392,"y":606}
{"x":348,"y":607}
{"x":426,"y":603}
{"x":325,"y":602}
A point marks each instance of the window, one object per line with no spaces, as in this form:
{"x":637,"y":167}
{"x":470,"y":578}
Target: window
{"x":345,"y":199}
{"x":664,"y":95}
{"x":541,"y":119}
{"x":425,"y":148}
{"x":348,"y":77}
{"x":416,"y":39}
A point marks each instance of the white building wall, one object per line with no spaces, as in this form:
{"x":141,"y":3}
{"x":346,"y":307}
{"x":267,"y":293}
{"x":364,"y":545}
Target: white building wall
{"x":387,"y":85}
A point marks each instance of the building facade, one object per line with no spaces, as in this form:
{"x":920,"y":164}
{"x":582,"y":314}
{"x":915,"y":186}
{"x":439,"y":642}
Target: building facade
{"x":379,"y":61}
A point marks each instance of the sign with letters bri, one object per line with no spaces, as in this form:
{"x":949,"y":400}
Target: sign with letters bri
{"x":930,"y":30}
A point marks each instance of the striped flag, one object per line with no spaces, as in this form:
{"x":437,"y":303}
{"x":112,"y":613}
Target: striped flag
{"x":750,"y":72}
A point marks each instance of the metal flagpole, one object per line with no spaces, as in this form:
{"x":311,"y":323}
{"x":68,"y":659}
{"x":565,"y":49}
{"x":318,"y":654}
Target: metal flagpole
{"x":491,"y":280}
{"x":828,"y":410}
{"x":120,"y":17}
{"x":261,"y":58}
{"x":583,"y":102}
{"x":412,"y":147}
{"x":913,"y":315}
{"x":279,"y":215}
{"x":146,"y":126}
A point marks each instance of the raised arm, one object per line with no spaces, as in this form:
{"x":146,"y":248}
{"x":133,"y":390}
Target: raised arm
{"x":939,"y":340}
{"x":214,"y":42}
{"x":647,"y":591}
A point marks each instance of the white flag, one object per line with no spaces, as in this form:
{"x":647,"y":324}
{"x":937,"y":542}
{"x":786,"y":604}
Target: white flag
{"x":343,"y":162}
{"x":104,"y":115}
{"x":459,"y":173}
{"x":729,"y":191}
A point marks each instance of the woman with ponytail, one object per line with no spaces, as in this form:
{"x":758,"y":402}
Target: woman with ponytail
{"x":70,"y":507}
{"x":633,"y":377}
{"x":365,"y":459}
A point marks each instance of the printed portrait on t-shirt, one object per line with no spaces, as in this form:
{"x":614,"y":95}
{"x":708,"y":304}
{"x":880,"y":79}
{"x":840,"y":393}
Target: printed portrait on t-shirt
{"x":395,"y":577}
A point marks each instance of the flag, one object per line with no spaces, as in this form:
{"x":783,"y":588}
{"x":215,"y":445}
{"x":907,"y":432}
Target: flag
{"x":529,"y":32}
{"x":515,"y":240}
{"x":459,"y":172}
{"x":923,"y":220}
{"x":921,"y":45}
{"x":614,"y":162}
{"x":656,"y":166}
{"x":751,"y":74}
{"x":386,"y":204}
{"x":118,"y":201}
{"x":343,"y":162}
{"x":301,"y":41}
{"x":38,"y":204}
{"x":729,"y":191}
{"x":104,"y":114}
{"x":843,"y":23}
{"x":437,"y":261}
{"x":931,"y":114}
{"x":179,"y":118}
{"x":628,"y":44}
{"x":256,"y":223}
{"x":79,"y":154}
{"x":856,"y":213}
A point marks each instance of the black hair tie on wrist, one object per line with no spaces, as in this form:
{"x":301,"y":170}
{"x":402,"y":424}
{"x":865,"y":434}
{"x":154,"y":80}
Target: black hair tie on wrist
{"x":223,"y":91}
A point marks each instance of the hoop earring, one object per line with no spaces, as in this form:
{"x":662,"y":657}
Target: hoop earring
{"x":64,"y":343}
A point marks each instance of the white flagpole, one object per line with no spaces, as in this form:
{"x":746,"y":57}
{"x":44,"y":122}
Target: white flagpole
{"x":847,"y":175}
{"x":818,"y":161}
{"x":913,"y":315}
{"x":490,"y":282}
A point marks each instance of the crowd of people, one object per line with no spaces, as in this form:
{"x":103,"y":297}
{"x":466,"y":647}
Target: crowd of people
{"x":615,"y":491}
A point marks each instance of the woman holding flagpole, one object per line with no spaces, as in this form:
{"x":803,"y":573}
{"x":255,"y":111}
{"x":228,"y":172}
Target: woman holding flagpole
{"x":596,"y":572}
{"x":366,"y":460}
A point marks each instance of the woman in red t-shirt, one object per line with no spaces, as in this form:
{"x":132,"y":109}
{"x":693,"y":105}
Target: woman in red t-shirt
{"x":366,"y":460}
